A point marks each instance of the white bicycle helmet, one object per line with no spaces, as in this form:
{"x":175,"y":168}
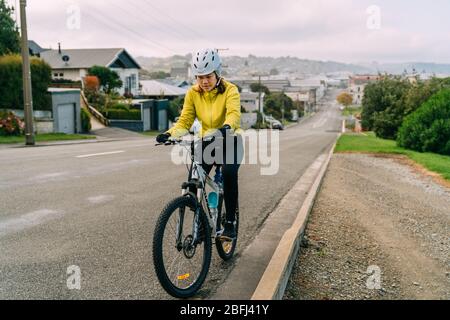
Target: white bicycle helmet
{"x":205,"y":62}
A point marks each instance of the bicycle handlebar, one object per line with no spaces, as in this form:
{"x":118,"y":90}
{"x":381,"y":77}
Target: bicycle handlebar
{"x":172,"y":142}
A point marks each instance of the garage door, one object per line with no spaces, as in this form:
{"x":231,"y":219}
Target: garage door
{"x":162,"y":118}
{"x":66,"y":118}
{"x":146,"y":118}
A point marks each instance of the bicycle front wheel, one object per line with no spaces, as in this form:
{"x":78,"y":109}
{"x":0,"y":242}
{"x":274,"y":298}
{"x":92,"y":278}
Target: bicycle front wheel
{"x":182,"y":262}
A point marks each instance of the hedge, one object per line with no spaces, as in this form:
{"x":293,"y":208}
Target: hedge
{"x":117,"y":114}
{"x":85,"y":121}
{"x":11,"y":83}
{"x":428,"y":128}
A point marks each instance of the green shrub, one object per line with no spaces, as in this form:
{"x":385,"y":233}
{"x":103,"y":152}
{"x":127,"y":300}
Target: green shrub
{"x":120,"y":106}
{"x":114,"y":114}
{"x":85,"y":121}
{"x":428,"y":129}
{"x":11,"y":83}
{"x":10,"y":124}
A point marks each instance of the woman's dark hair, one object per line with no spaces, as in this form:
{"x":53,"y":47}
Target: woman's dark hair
{"x":221,"y":86}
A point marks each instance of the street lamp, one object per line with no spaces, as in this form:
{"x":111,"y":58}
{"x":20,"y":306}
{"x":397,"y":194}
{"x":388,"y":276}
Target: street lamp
{"x":27,"y":93}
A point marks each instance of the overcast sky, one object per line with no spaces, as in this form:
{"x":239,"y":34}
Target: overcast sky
{"x":339,"y":30}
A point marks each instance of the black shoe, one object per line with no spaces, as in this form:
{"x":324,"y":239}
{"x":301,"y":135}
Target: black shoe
{"x":229,"y":232}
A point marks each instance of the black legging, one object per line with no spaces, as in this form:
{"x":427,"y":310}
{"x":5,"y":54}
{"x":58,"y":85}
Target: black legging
{"x":230,"y":173}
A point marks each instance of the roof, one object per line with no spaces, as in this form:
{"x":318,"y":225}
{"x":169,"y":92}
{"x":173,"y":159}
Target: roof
{"x":157,"y":88}
{"x":87,"y":58}
{"x":63,"y":90}
{"x":251,"y":95}
{"x":35,"y":48}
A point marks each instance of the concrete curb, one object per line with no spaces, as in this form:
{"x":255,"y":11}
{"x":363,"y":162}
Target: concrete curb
{"x":276,"y":276}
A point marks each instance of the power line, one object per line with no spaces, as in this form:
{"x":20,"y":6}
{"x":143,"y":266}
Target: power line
{"x":139,"y":12}
{"x":117,"y":24}
{"x":173,"y":19}
{"x":114,"y":24}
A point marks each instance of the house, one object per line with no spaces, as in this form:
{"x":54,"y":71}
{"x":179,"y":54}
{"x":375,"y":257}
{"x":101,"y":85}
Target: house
{"x":180,"y":72}
{"x":305,"y":96}
{"x":158,"y":89}
{"x":251,"y":101}
{"x":73,"y":64}
{"x":35,"y":49}
{"x":358,"y":83}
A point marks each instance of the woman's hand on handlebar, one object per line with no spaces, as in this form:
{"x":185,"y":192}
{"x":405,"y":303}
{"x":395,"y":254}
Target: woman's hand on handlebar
{"x":163,"y":138}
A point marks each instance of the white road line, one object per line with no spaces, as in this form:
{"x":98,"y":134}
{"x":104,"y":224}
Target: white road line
{"x":100,"y":199}
{"x":27,"y":221}
{"x":99,"y":154}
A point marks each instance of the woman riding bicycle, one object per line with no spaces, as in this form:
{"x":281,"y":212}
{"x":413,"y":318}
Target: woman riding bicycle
{"x":216,"y":104}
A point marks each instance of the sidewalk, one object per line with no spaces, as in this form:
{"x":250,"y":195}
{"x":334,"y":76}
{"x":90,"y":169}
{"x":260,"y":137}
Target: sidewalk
{"x":379,"y":230}
{"x":259,"y":273}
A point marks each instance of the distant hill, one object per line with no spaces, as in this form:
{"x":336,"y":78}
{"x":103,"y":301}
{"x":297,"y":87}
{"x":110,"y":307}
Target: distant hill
{"x":420,"y":67}
{"x":253,"y":65}
{"x":257,"y":65}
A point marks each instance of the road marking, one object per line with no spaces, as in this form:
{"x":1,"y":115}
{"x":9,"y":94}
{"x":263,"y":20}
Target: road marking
{"x":99,"y":154}
{"x":100,"y":199}
{"x":26,"y":221}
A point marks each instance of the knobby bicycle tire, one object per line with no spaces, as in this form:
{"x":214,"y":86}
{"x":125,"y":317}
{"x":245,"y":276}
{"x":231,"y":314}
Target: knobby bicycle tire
{"x":158,"y":254}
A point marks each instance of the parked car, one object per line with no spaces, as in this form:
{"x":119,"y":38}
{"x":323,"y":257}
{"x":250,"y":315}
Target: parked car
{"x":274,"y":123}
{"x":277,"y":125}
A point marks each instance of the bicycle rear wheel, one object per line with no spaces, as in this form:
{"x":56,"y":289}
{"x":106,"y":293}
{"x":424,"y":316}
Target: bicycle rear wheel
{"x":180,"y":264}
{"x":226,"y":249}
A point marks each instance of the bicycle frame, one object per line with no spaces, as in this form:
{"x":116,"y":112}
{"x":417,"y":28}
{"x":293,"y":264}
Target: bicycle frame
{"x":199,"y":178}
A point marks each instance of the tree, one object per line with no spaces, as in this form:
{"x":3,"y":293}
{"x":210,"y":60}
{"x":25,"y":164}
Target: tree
{"x":159,"y":75}
{"x":9,"y":33}
{"x":345,"y":99}
{"x":388,"y":102}
{"x":256,"y":87}
{"x":11,"y":83}
{"x":383,"y":105}
{"x":428,"y":128}
{"x":278,"y":103}
{"x":175,"y":107}
{"x":91,"y":83}
{"x":109,"y":79}
{"x":274,"y":72}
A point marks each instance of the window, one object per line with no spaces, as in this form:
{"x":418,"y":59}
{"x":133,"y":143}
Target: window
{"x":133,"y":81}
{"x":61,"y":74}
{"x":55,"y":75}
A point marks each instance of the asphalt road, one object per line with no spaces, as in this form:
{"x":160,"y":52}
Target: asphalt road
{"x":94,"y":206}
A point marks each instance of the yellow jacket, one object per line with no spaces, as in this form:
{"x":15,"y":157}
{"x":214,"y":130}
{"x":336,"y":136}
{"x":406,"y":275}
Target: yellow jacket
{"x":213,"y":110}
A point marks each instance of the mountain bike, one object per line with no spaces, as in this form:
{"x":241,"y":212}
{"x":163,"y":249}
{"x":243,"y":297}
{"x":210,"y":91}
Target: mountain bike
{"x":188,"y":226}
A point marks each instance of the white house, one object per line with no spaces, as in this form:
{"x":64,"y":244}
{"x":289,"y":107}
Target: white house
{"x":251,"y":101}
{"x":73,"y":64}
{"x":358,"y":83}
{"x":154,"y":88}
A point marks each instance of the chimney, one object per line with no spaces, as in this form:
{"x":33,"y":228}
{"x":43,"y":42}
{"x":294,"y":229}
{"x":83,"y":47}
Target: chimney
{"x":59,"y":47}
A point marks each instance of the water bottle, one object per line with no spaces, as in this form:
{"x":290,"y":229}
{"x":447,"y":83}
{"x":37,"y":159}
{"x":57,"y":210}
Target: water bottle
{"x":213,"y":202}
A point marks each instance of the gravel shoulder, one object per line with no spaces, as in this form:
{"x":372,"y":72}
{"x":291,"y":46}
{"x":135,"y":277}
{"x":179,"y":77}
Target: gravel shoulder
{"x":379,"y":230}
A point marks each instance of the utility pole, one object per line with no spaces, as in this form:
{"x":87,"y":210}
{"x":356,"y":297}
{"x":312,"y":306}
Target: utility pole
{"x":27,"y":93}
{"x":261,"y":108}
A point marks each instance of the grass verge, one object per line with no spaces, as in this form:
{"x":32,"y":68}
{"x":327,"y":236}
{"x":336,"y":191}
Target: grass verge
{"x":45,"y":138}
{"x":369,"y":143}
